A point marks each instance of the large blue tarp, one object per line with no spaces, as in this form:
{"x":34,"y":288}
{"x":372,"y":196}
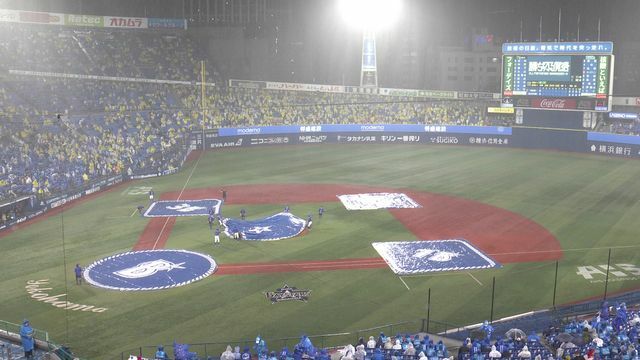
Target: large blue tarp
{"x":416,"y":257}
{"x":275,"y":227}
{"x":149,"y":270}
{"x":168,"y":208}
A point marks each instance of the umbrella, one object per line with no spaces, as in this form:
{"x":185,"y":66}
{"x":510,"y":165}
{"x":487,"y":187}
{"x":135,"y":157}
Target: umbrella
{"x":564,"y":337}
{"x":515,"y":333}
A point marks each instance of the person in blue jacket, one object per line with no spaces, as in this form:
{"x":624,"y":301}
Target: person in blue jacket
{"x":377,"y":355}
{"x":246,"y":354}
{"x":284,"y":354}
{"x":160,"y":354}
{"x":26,"y":336}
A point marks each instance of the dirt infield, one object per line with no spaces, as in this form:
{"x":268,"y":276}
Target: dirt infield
{"x":504,"y":235}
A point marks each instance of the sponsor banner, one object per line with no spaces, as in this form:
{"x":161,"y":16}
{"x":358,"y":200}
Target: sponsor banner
{"x":287,"y":293}
{"x":269,"y":140}
{"x":170,"y":208}
{"x":125,"y":22}
{"x":83,"y":20}
{"x":247,"y":84}
{"x":554,"y":103}
{"x":361,"y":90}
{"x":143,"y":176}
{"x":615,"y":149}
{"x":149,"y":270}
{"x":92,"y":190}
{"x":501,"y":110}
{"x":41,"y":18}
{"x":305,"y":87}
{"x":159,"y":23}
{"x":350,"y":128}
{"x":280,"y":226}
{"x":114,"y":180}
{"x":625,"y":116}
{"x":418,"y":257}
{"x":312,"y":139}
{"x":598,"y":47}
{"x":31,"y":17}
{"x":97,"y":77}
{"x":374,"y":201}
{"x":61,"y":202}
{"x":225,"y":143}
{"x":474,"y":95}
{"x":482,"y":140}
{"x":435,"y":94}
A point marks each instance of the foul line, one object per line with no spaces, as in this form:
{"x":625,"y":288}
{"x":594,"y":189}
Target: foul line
{"x":179,"y":196}
{"x":474,"y":278}
{"x":405,"y":284}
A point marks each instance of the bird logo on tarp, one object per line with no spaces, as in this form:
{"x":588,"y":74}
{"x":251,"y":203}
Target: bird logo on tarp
{"x":170,"y":208}
{"x":287,"y":293}
{"x":148,"y":268}
{"x":183,"y":208}
{"x":435,"y":255}
{"x":423,"y":256}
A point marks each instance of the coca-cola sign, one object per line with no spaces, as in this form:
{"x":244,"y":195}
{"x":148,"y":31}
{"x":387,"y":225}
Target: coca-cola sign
{"x":554,"y":104}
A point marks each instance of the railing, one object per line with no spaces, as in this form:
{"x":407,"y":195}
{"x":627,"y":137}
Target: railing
{"x":6,"y":328}
{"x":214,"y":349}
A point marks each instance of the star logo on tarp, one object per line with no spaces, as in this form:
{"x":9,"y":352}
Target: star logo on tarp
{"x":286,"y":293}
{"x":259,"y":229}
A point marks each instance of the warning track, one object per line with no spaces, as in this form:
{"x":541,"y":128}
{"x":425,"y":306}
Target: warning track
{"x":504,"y":235}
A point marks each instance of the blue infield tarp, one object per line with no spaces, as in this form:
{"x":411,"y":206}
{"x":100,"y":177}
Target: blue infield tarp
{"x":417,"y":257}
{"x":167,"y":208}
{"x":275,"y":227}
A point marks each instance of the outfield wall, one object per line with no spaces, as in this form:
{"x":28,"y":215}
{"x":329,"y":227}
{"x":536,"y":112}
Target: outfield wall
{"x":496,"y":136}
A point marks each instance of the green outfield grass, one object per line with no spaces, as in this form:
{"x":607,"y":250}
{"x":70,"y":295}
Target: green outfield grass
{"x":589,"y":203}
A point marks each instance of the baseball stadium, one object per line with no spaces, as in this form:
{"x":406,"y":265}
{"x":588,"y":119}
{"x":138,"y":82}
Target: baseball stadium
{"x":346,"y":180}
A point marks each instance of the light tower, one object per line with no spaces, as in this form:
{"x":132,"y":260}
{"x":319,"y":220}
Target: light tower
{"x":369,"y":17}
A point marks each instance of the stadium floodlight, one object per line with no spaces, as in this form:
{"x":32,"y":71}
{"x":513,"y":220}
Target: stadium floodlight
{"x":370,"y":15}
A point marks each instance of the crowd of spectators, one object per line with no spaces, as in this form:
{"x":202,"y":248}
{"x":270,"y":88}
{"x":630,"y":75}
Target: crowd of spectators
{"x":613,"y":333}
{"x":112,"y":130}
{"x":95,"y":51}
{"x":60,"y":133}
{"x":237,"y":107}
{"x":624,"y":127}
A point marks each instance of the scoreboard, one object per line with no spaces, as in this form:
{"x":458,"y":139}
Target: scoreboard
{"x":558,"y":76}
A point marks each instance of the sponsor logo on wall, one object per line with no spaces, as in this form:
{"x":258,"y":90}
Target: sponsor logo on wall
{"x":276,"y":140}
{"x":554,"y":103}
{"x":312,"y":139}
